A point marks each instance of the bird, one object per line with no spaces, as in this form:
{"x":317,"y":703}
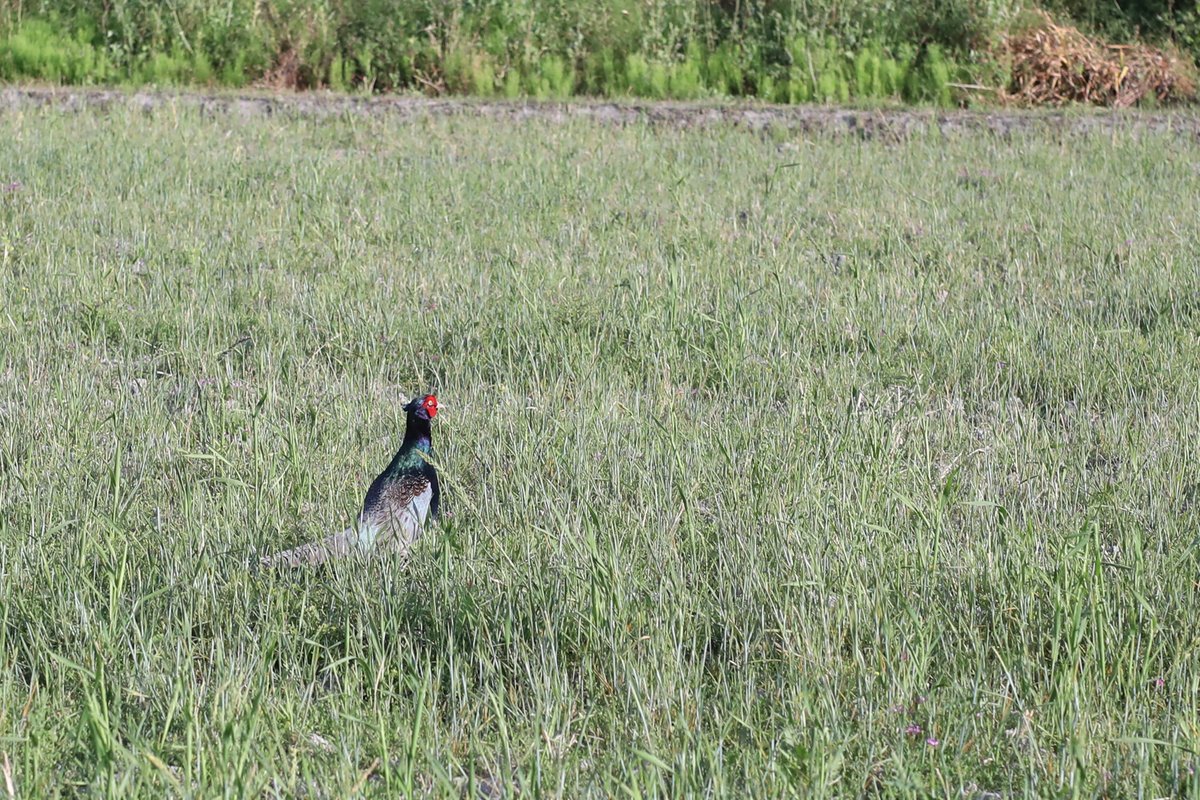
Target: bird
{"x":397,"y":504}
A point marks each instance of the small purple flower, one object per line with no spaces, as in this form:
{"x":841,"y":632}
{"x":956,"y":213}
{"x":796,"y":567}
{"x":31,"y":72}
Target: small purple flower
{"x":913,"y":729}
{"x":932,"y":742}
{"x":15,"y":186}
{"x":1159,"y":683}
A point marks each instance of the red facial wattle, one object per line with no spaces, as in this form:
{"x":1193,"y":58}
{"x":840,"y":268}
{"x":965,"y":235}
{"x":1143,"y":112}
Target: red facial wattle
{"x":430,"y":405}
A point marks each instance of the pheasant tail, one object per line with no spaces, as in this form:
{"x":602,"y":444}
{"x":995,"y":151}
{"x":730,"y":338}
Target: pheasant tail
{"x":391,"y":525}
{"x":332,"y":546}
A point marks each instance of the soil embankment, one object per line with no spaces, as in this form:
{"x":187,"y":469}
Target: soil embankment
{"x":817,"y":120}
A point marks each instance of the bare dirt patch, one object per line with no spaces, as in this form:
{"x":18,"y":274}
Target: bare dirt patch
{"x":814,"y":120}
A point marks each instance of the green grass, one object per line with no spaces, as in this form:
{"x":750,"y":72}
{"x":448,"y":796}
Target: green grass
{"x":926,"y":52}
{"x":813,"y":69}
{"x":681,"y":49}
{"x":756,"y":452}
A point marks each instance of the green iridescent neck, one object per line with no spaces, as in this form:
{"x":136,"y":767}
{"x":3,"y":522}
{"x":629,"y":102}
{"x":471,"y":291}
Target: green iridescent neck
{"x":418,"y":442}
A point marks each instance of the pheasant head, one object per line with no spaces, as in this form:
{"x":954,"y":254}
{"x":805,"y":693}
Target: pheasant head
{"x":423,"y":407}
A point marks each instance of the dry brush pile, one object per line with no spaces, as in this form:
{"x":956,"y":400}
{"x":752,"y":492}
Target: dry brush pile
{"x":1054,"y":64}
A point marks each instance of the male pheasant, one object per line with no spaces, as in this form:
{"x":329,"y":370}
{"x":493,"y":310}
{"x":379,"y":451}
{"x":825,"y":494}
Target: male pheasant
{"x":396,"y":505}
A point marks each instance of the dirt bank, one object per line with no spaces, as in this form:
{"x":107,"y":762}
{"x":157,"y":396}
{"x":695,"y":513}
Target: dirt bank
{"x":867,"y":124}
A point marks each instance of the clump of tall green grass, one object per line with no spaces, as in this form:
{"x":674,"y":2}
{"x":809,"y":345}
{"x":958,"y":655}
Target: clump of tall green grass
{"x":790,"y":51}
{"x":660,"y":49}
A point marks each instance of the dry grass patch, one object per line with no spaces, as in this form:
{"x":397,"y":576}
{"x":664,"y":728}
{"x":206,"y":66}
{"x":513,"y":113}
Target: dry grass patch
{"x":1056,"y":64}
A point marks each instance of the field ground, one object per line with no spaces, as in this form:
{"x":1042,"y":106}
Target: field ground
{"x":776,"y":464}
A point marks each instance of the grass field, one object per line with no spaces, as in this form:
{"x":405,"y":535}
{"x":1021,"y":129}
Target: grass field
{"x":773,"y":466}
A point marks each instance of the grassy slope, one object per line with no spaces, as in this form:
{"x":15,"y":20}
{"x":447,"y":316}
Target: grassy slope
{"x":749,"y":467}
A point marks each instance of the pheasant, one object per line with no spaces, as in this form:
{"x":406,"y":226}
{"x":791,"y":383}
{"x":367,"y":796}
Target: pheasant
{"x":396,"y":505}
